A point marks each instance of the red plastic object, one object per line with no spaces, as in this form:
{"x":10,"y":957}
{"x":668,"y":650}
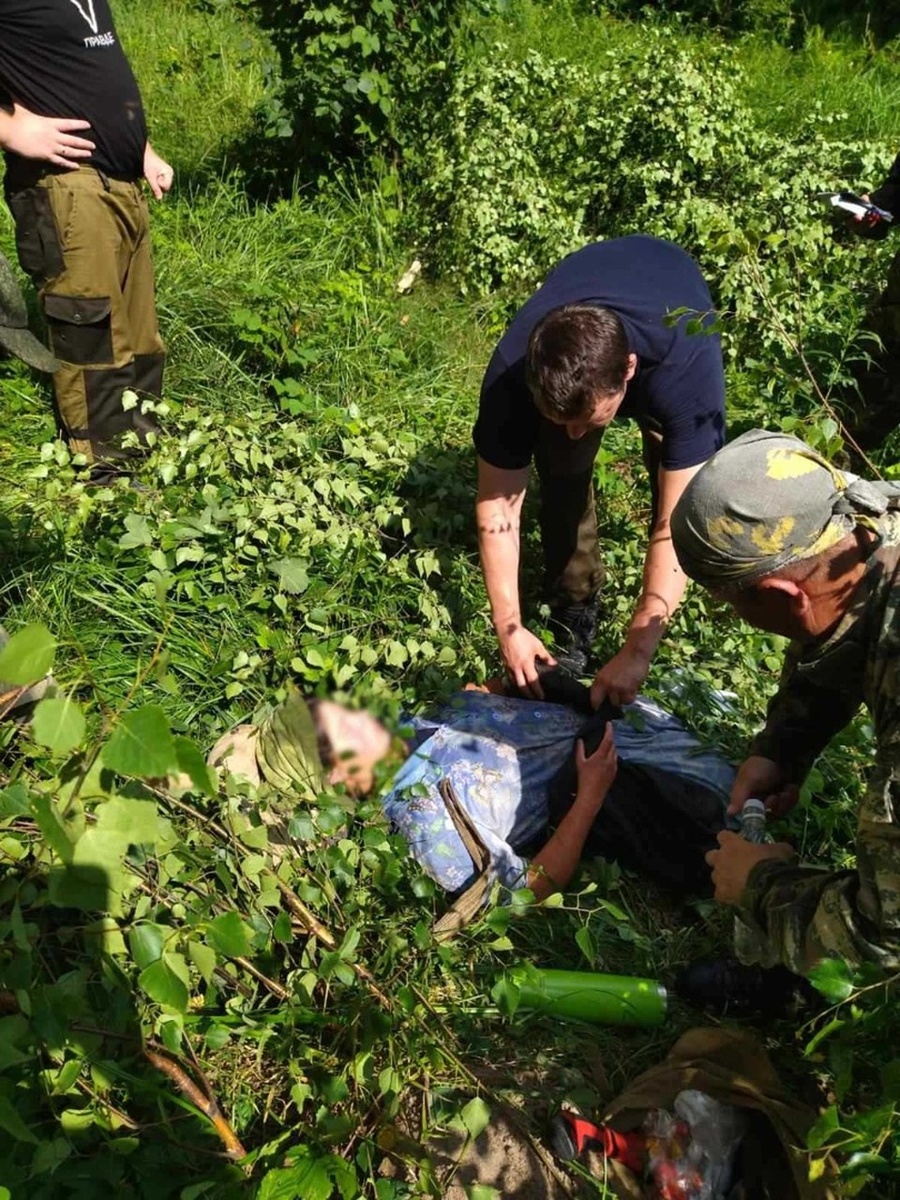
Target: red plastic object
{"x":572,"y":1135}
{"x":676,"y":1181}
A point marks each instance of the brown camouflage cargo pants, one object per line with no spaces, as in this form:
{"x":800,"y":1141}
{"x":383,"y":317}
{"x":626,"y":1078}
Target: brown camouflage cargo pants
{"x":573,"y":567}
{"x":85,"y":241}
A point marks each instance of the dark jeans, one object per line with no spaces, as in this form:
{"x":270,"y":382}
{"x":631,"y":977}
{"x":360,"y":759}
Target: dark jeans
{"x":874,"y":412}
{"x":573,"y":566}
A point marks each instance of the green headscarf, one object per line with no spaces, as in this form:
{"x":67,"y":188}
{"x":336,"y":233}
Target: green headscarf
{"x":287,"y":747}
{"x":766,"y":500}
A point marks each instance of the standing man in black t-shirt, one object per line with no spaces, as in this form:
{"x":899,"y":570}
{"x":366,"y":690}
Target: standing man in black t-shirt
{"x":594,"y":343}
{"x":72,"y":126}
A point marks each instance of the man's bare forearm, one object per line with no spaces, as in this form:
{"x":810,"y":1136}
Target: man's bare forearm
{"x":498,"y":546}
{"x":663,"y":588}
{"x":498,"y":512}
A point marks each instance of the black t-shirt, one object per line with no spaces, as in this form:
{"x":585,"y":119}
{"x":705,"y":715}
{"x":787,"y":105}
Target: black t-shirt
{"x":62,"y":58}
{"x":888,"y":194}
{"x":679,"y":384}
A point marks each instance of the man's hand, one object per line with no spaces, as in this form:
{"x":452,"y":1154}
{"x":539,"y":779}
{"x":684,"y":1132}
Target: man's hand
{"x":157,"y":172}
{"x":597,"y":771}
{"x":554,"y":865}
{"x":870,"y":225}
{"x":734,"y":860}
{"x":520,"y":648}
{"x":764,"y":779}
{"x":620,"y":679}
{"x":50,"y":139}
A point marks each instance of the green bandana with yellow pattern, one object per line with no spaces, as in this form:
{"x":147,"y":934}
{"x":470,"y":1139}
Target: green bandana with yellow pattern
{"x":766,"y":500}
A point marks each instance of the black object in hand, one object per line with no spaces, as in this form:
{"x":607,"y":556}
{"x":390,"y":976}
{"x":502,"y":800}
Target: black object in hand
{"x":559,"y":687}
{"x":856,"y":205}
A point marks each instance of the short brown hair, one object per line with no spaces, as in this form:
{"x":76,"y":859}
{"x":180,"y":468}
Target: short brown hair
{"x":575,"y":353}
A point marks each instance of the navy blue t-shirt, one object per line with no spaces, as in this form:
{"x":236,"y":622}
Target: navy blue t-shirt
{"x":679,"y":385}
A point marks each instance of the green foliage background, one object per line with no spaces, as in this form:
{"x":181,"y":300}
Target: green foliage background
{"x":308,"y":516}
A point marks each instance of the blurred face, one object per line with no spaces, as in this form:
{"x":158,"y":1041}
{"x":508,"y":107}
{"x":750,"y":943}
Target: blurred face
{"x":358,"y":741}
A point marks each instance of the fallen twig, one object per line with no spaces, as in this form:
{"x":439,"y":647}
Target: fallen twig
{"x":315,"y":928}
{"x":207,"y":1104}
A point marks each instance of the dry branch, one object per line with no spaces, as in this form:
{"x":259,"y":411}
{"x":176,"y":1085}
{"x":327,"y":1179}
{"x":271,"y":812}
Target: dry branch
{"x":207,"y":1104}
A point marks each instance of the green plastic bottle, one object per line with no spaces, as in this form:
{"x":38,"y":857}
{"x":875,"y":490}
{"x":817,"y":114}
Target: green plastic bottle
{"x":588,"y":996}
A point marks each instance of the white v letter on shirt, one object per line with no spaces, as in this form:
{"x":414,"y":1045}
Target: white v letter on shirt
{"x":86,"y":8}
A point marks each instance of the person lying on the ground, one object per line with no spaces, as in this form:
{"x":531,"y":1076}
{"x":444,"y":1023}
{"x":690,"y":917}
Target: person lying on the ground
{"x":800,"y":549}
{"x":636,"y":787}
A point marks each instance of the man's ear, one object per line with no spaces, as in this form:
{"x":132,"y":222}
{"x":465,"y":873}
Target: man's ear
{"x":791,"y":592}
{"x":631,"y":368}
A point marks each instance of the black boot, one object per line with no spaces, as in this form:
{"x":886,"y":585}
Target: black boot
{"x":574,"y":628}
{"x":726,"y":987}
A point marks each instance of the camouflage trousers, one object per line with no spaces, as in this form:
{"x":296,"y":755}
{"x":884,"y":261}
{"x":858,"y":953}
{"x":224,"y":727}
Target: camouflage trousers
{"x":85,"y":241}
{"x":573,"y":566}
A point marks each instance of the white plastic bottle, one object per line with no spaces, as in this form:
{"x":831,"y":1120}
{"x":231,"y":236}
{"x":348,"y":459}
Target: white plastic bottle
{"x":753,"y":829}
{"x":753,"y":822}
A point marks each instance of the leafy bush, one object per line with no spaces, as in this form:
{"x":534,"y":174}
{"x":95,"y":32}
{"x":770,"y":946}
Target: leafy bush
{"x":143,"y":917}
{"x":773,"y":18}
{"x":535,"y":157}
{"x":857,"y":1038}
{"x":361,"y":74}
{"x":735,"y":16}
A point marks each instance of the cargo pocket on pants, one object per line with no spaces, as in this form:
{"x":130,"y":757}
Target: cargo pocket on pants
{"x":80,"y":328}
{"x":37,"y":237}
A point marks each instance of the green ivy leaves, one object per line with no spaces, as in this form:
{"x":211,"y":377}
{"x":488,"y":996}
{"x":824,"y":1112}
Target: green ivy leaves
{"x":142,"y":744}
{"x":27,"y":656}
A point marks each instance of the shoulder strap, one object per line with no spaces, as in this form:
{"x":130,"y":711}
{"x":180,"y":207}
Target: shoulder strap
{"x":466,"y":906}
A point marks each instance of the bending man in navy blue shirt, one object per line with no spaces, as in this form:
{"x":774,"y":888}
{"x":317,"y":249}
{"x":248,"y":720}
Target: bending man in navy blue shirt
{"x":592,"y":344}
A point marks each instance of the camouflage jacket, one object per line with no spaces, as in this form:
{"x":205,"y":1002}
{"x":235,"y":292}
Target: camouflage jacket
{"x":806,"y":913}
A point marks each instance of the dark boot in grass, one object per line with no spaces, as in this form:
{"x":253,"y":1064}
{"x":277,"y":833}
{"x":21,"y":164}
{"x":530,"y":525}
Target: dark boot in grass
{"x":726,"y":987}
{"x":574,"y":628}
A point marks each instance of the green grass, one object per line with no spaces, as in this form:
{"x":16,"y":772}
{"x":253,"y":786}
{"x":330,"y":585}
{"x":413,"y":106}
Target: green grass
{"x":201,"y":72}
{"x":837,"y":85}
